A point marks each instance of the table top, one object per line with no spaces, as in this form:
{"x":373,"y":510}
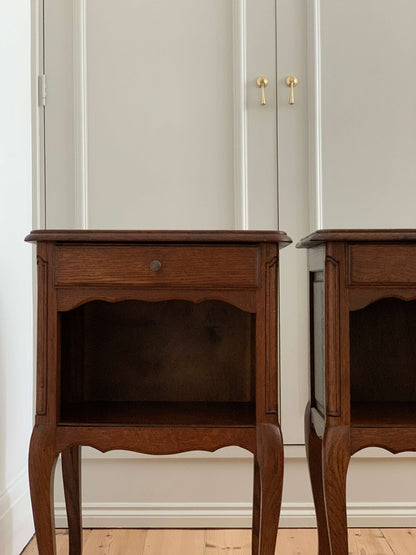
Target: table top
{"x":165,"y":236}
{"x":357,"y":236}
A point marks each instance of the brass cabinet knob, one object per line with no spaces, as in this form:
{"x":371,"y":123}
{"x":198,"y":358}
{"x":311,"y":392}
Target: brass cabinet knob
{"x":155,"y":265}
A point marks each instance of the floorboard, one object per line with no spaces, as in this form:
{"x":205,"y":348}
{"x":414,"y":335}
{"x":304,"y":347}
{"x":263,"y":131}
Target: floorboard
{"x":369,"y":541}
{"x":61,"y":543}
{"x":115,"y":542}
{"x":174,"y":542}
{"x":290,"y":541}
{"x":401,"y":540}
{"x":231,"y":542}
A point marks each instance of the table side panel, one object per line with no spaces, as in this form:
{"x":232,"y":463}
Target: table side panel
{"x":271,"y":330}
{"x":42,"y":331}
{"x":316,"y":267}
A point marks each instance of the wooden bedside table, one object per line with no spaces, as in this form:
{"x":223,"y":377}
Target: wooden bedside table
{"x":156,"y":342}
{"x":363,"y":360}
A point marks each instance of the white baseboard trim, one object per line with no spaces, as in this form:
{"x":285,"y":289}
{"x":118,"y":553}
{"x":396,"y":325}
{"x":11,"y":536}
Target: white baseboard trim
{"x":16,"y":523}
{"x":160,"y":515}
{"x":230,"y":515}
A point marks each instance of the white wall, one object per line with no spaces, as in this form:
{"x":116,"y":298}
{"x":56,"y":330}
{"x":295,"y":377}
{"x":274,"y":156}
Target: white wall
{"x":214,"y":490}
{"x":16,"y":312}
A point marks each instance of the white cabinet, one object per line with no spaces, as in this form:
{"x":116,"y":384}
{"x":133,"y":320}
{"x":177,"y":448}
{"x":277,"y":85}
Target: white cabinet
{"x":153,"y":120}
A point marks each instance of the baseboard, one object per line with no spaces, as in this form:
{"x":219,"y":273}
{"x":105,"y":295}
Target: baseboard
{"x":16,"y":523}
{"x":230,"y":515}
{"x":160,"y":515}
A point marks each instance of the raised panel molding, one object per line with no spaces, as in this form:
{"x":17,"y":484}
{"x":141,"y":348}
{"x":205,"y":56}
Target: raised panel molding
{"x":333,"y":340}
{"x":315,"y":114}
{"x":80,"y":113}
{"x":38,"y":117}
{"x":240,"y":115}
{"x":42,"y":358}
{"x":80,"y":30}
{"x":271,"y":385}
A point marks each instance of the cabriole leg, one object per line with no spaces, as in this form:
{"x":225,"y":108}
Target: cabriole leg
{"x":256,"y":509}
{"x":270,"y":460}
{"x":42,"y":460}
{"x":71,"y":473}
{"x":336,"y":458}
{"x":313,"y":445}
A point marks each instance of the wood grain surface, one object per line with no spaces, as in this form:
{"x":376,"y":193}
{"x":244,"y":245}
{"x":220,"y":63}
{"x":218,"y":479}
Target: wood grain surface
{"x":151,"y":372}
{"x":163,"y":236}
{"x":178,"y":265}
{"x":356,"y":236}
{"x":369,"y":279}
{"x":361,"y":541}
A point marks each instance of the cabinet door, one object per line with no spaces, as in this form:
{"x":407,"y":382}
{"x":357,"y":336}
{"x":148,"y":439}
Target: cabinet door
{"x":368,"y":113}
{"x":153,"y":117}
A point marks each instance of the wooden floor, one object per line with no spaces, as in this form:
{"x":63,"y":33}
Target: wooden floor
{"x":370,"y":541}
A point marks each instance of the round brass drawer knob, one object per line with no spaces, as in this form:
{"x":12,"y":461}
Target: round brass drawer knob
{"x":155,"y":265}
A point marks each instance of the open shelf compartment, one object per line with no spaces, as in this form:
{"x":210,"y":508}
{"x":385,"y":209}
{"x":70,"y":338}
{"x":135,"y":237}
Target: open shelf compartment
{"x":383,"y":364}
{"x":157,"y":364}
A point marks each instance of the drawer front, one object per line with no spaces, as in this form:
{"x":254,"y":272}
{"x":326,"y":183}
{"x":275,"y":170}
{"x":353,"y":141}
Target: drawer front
{"x":382,"y":264}
{"x":176,"y":265}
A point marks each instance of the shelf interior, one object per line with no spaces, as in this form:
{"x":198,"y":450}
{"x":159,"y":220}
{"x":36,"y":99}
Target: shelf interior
{"x":383,"y":415}
{"x":159,"y":414}
{"x":171,"y":362}
{"x":383,"y":353}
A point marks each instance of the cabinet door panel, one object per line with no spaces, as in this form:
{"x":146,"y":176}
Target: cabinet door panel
{"x":368,"y":111}
{"x":153,"y":118}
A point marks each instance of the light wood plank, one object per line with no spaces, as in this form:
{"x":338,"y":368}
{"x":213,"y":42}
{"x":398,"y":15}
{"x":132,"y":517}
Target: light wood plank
{"x":228,"y":541}
{"x":115,"y":542}
{"x":99,"y":541}
{"x":291,"y":541}
{"x":369,"y":541}
{"x":390,"y":541}
{"x":61,"y":543}
{"x":401,"y":540}
{"x":174,"y":542}
{"x":31,"y":548}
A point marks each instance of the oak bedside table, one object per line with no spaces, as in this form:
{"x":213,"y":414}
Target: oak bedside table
{"x":363,"y":360}
{"x":156,"y":342}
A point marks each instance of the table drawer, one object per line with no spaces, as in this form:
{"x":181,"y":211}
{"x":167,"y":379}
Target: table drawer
{"x":173,"y":265}
{"x":382,"y":264}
